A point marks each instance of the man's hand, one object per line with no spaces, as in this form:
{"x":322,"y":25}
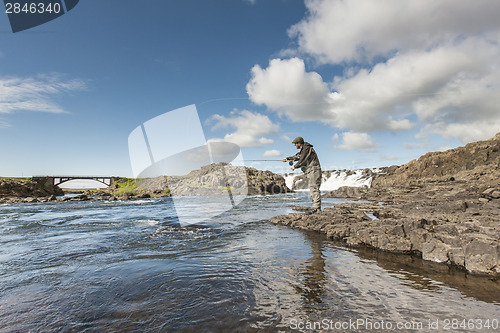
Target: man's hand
{"x":284,"y":160}
{"x":293,"y":168}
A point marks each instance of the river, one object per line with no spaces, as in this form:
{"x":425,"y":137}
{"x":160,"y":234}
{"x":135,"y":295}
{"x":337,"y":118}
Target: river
{"x":103,"y":266}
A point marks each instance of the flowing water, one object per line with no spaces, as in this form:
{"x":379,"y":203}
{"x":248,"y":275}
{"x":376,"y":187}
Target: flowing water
{"x":128,"y":266}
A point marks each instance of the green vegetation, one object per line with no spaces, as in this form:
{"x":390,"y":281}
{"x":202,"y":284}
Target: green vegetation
{"x":19,"y":180}
{"x":125,"y":185}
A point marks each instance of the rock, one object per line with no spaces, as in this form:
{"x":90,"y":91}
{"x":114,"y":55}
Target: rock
{"x":81,"y":197}
{"x":457,"y":256}
{"x":488,"y":192}
{"x":435,"y":250}
{"x":482,"y":255}
{"x":301,"y":208}
{"x":16,"y":189}
{"x":347,"y":192}
{"x":125,"y":196}
{"x":443,"y":206}
{"x":215,"y":179}
{"x":450,"y":163}
{"x":417,"y":239}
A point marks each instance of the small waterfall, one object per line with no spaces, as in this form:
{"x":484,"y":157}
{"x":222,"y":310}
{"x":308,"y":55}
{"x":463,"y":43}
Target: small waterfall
{"x":334,"y":179}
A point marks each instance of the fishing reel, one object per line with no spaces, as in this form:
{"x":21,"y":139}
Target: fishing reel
{"x":290,"y":163}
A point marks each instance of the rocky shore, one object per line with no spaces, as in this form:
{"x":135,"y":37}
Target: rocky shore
{"x":26,"y":190}
{"x":214,"y":179}
{"x":444,"y":207}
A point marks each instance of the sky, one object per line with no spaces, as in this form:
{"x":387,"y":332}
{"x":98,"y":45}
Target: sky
{"x":368,"y":83}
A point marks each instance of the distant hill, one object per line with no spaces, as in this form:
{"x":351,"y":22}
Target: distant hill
{"x":475,"y":161}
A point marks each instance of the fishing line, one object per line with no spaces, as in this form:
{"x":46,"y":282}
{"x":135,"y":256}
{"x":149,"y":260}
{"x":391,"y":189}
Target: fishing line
{"x":289,"y":162}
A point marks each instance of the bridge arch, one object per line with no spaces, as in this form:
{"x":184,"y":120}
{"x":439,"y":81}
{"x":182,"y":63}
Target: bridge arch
{"x":58,"y":180}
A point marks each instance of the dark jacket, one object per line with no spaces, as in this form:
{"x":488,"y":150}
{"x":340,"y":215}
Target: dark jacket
{"x":306,"y":158}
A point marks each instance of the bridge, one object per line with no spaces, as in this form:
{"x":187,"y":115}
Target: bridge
{"x":58,"y":180}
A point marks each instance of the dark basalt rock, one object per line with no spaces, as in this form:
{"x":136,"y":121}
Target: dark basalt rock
{"x":445,"y":207}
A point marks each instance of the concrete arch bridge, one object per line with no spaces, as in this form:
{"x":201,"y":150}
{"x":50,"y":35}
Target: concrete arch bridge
{"x":58,"y":180}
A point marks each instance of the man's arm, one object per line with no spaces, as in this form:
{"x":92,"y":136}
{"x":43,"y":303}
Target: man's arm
{"x":295,"y":157}
{"x":304,"y":156}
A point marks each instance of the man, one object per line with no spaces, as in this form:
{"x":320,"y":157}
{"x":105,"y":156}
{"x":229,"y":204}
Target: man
{"x":308,"y":161}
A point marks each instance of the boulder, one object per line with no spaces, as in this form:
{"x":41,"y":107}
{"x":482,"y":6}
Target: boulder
{"x":482,"y":255}
{"x":435,"y":250}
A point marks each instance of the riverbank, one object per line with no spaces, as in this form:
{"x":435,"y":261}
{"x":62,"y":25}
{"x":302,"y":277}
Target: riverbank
{"x":214,"y":179}
{"x":443,"y":207}
{"x":26,"y":190}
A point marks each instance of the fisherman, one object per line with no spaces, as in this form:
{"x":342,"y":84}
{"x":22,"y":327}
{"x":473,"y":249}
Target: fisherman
{"x":308,"y":161}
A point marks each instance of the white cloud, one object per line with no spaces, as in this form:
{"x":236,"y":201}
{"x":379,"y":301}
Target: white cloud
{"x":285,"y":87}
{"x":356,"y":141}
{"x":337,"y":31}
{"x":286,"y":138}
{"x":35,"y":94}
{"x":438,"y":69}
{"x":251,"y":128}
{"x":448,"y":86}
{"x":272,"y":153}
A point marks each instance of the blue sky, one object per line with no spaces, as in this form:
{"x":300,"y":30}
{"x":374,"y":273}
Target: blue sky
{"x":368,"y":83}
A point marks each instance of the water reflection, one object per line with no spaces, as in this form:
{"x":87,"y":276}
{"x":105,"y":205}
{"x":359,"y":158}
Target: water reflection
{"x":123,"y":266}
{"x":429,"y":276}
{"x":312,"y":275}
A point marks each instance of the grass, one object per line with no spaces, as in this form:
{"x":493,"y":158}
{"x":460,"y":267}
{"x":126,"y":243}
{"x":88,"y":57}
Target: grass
{"x":125,"y":185}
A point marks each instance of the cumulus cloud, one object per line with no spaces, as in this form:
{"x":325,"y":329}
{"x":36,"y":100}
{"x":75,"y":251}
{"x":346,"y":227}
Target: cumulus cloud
{"x":251,"y":128}
{"x":442,"y":88}
{"x":35,"y":94}
{"x":272,"y":153}
{"x":286,"y":138}
{"x":285,"y":87}
{"x":356,"y":141}
{"x":338,"y":31}
{"x":434,"y":65}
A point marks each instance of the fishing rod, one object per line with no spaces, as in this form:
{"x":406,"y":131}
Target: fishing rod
{"x":289,"y":162}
